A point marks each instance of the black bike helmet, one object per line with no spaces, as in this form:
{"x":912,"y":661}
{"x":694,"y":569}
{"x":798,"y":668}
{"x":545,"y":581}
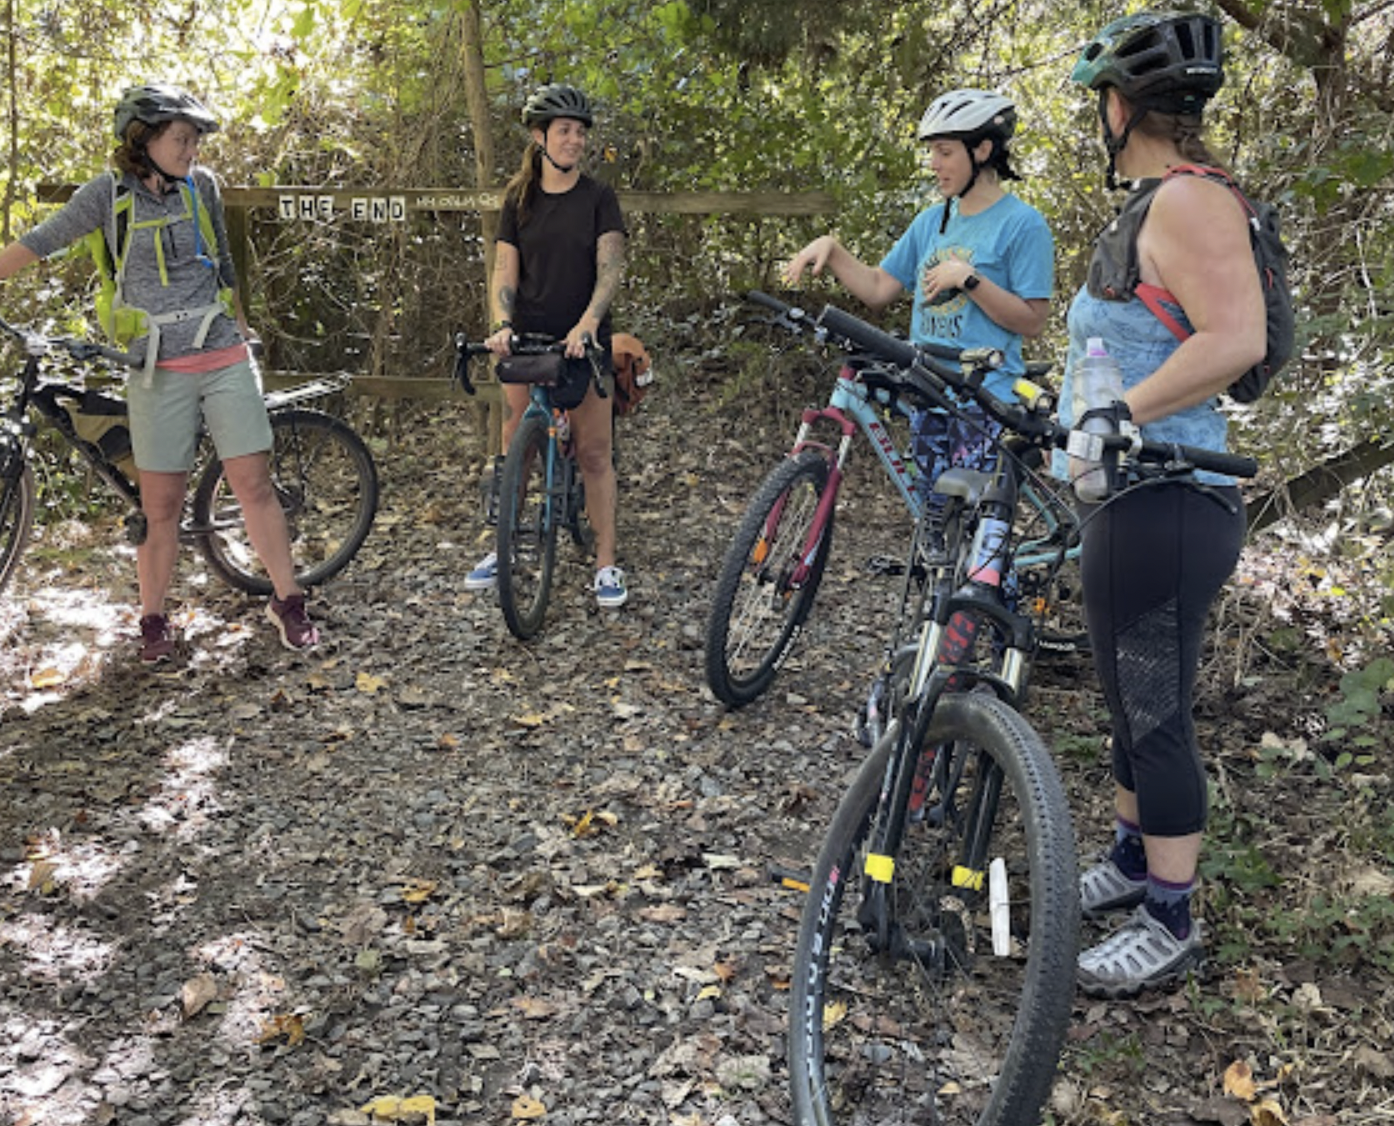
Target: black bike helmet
{"x":555,"y":100}
{"x":159,"y":102}
{"x":1167,"y":61}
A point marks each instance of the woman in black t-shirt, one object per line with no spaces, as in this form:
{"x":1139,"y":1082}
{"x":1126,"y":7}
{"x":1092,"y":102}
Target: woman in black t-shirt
{"x":558,"y":264}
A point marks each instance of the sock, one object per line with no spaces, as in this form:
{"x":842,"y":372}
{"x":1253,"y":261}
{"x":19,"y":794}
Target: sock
{"x":1170,"y":905}
{"x":1128,"y":852}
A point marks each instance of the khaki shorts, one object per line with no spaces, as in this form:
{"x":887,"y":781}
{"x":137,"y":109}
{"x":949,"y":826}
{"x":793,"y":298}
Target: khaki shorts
{"x":166,"y":414}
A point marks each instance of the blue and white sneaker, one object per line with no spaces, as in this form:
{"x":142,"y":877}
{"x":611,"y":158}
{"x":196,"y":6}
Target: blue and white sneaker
{"x":610,"y":590}
{"x":485,"y":574}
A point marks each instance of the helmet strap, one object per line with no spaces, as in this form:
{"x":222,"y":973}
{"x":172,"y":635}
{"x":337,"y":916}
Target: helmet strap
{"x":968,"y":187}
{"x":1116,"y":144}
{"x":564,"y":169}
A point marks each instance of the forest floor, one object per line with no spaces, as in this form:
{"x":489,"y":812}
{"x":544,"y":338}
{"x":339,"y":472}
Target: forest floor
{"x":509,"y":881}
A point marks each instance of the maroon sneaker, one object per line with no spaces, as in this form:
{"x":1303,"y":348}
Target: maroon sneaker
{"x":290,"y":619}
{"x":156,"y":640}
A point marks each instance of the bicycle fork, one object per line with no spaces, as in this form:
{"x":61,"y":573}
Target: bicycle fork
{"x":808,"y":552}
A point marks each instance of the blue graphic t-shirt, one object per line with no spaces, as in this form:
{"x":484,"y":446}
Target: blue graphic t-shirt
{"x":1009,"y":243}
{"x":1141,"y":344}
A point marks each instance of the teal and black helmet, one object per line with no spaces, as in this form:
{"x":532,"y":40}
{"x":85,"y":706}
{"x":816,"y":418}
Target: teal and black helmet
{"x":1167,"y":61}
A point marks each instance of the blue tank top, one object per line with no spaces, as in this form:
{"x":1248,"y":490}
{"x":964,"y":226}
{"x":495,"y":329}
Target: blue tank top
{"x":1141,"y":344}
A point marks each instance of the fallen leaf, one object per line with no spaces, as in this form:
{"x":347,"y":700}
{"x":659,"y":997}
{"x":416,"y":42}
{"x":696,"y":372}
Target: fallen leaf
{"x":289,"y":1025}
{"x":196,"y":993}
{"x":530,"y":719}
{"x":1267,"y":1113}
{"x":389,"y":1108}
{"x":47,"y":678}
{"x":448,"y":742}
{"x":534,"y":1008}
{"x":524,"y":1106}
{"x":1239,"y":1081}
{"x":369,"y":684}
{"x":41,"y":877}
{"x":418,"y":891}
{"x":663,"y":913}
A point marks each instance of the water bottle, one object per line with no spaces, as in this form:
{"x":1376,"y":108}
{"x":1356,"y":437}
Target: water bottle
{"x":1097,"y":383}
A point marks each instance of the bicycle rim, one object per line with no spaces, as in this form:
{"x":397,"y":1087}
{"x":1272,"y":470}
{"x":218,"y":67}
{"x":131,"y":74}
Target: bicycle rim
{"x":767,"y":585}
{"x":16,"y":519}
{"x":527,"y":531}
{"x":937,"y":1027}
{"x":327,"y":485}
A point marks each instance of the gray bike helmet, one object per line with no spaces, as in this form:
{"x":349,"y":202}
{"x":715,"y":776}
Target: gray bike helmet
{"x":969,"y":114}
{"x":1168,"y":61}
{"x":555,"y":100}
{"x":159,"y":102}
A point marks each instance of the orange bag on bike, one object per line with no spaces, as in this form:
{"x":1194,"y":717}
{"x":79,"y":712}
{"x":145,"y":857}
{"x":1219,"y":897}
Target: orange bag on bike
{"x":633,"y":373}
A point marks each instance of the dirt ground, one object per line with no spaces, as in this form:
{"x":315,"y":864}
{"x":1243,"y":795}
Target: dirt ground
{"x":427,"y":862}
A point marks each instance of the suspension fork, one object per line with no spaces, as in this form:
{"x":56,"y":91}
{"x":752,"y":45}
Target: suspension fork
{"x":823,"y":513}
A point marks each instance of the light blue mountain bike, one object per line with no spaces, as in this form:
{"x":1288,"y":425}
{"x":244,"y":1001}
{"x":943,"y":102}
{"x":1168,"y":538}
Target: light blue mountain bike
{"x":773,"y":568}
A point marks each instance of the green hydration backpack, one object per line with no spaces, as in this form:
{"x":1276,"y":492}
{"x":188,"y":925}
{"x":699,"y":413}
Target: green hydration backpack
{"x":110,"y":248}
{"x":1114,"y":274}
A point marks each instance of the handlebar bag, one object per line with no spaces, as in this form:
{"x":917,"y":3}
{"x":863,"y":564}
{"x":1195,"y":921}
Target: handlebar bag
{"x":569,"y":379}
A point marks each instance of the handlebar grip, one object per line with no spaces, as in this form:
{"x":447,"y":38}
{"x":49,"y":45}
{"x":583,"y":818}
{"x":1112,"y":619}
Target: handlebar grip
{"x":1213,"y":461}
{"x":760,"y":298}
{"x":461,"y":374}
{"x":867,"y":337}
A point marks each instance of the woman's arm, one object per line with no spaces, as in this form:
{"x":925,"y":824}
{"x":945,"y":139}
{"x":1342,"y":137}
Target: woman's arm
{"x":503,"y":297}
{"x":1195,"y":243}
{"x":869,"y":284}
{"x":609,"y":272}
{"x":14,"y":258}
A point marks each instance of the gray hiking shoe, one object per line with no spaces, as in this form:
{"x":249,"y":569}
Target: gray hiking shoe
{"x":1141,"y":954}
{"x":1104,"y":889}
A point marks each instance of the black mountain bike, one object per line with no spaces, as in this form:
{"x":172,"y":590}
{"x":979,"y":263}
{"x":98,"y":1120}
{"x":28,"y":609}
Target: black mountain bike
{"x":322,"y":471}
{"x":935,"y":966}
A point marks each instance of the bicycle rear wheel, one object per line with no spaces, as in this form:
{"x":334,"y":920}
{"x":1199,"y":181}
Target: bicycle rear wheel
{"x":760,"y":604}
{"x":527,"y":531}
{"x":936,"y":1027}
{"x":17,"y":494}
{"x":327,"y":484}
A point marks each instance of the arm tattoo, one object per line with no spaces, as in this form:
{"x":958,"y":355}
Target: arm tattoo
{"x":609,"y":270}
{"x":505,"y":298}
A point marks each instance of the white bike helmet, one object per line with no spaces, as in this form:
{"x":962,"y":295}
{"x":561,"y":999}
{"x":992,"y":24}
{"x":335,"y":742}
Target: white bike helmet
{"x":969,"y":113}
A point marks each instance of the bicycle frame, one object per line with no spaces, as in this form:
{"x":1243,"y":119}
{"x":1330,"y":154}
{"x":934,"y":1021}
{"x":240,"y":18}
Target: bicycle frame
{"x":852,"y":407}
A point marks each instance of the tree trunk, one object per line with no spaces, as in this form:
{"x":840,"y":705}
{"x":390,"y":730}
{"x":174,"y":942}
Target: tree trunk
{"x":1320,"y":483}
{"x":481,"y":125}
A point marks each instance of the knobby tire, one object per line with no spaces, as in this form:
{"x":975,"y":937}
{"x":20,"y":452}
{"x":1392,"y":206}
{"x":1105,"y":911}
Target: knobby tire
{"x":527,"y":533}
{"x":940,"y":1030}
{"x":756,"y":615}
{"x":17,"y":498}
{"x":327,"y":484}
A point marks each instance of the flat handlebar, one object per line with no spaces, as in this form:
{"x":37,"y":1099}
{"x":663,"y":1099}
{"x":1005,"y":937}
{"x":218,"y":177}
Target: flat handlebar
{"x":935,"y":370}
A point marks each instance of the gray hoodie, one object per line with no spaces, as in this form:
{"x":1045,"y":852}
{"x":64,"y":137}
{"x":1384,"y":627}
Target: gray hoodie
{"x":192,"y":284}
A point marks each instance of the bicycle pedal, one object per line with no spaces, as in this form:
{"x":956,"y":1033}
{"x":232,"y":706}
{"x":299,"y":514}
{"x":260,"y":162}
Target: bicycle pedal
{"x":885,"y":565}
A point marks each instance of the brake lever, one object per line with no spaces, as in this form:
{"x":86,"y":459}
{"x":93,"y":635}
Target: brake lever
{"x":461,"y":374}
{"x":592,"y":354}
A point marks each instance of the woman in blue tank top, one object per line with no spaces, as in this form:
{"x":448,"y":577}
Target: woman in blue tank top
{"x":1154,"y":559}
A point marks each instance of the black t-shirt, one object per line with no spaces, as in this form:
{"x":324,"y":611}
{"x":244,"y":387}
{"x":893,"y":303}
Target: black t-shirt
{"x":556,"y":249}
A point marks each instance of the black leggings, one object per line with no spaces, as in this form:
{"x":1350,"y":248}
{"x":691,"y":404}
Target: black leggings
{"x":1152,"y":563}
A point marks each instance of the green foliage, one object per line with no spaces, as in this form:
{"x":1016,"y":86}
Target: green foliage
{"x":1357,"y":727}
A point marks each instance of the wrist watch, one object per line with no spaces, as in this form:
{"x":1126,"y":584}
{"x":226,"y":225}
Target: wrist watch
{"x":970,"y":283}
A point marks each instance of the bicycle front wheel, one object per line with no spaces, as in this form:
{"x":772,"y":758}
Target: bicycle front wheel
{"x":910,"y":1003}
{"x":527,"y":531}
{"x":324,"y":477}
{"x":768,"y":580}
{"x":16,"y":517}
